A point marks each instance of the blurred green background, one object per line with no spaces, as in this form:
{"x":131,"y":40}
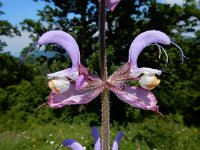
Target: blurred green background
{"x":26,"y":125}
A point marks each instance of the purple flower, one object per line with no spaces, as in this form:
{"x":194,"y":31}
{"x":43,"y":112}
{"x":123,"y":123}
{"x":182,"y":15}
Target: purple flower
{"x":76,"y":85}
{"x":72,"y":85}
{"x":139,"y":97}
{"x":74,"y":145}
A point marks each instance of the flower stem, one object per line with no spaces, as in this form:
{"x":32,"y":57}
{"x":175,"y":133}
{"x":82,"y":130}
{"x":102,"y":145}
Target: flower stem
{"x":105,"y":93}
{"x":105,"y":120}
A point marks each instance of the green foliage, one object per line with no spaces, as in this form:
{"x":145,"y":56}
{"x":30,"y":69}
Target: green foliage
{"x":156,"y":133}
{"x":152,"y":133}
{"x":10,"y":73}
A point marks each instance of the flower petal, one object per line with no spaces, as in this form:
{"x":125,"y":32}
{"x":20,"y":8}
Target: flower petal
{"x":80,"y":82}
{"x":117,"y":140}
{"x":66,"y":73}
{"x":111,"y":4}
{"x":95,"y":134}
{"x":73,"y":96}
{"x":136,"y":72}
{"x":143,"y":40}
{"x":135,"y":96}
{"x":73,"y":144}
{"x":64,"y":40}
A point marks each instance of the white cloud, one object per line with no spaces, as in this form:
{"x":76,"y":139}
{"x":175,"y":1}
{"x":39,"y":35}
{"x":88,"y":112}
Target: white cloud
{"x":178,"y":2}
{"x":16,"y":44}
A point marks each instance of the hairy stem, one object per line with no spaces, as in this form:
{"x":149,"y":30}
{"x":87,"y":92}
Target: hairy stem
{"x":105,"y":120}
{"x":105,"y":93}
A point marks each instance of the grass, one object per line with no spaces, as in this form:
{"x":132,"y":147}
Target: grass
{"x":44,"y":137}
{"x":151,"y":134}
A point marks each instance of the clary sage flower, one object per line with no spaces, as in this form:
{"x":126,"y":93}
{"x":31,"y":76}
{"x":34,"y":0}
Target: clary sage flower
{"x":75,"y":85}
{"x":75,"y":145}
{"x":72,"y":85}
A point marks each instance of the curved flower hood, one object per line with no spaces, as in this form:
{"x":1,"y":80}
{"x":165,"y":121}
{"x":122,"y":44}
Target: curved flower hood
{"x":139,"y":43}
{"x":66,"y":41}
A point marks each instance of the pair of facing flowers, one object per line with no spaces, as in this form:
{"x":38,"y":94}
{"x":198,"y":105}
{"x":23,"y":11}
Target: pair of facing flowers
{"x":75,"y":85}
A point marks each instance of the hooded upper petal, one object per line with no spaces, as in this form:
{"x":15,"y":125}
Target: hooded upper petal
{"x":135,"y":96}
{"x":139,"y":43}
{"x":64,"y":40}
{"x":143,"y":40}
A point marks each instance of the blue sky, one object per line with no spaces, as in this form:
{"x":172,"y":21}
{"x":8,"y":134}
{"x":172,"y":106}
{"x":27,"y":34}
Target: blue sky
{"x":15,"y":12}
{"x":18,"y":10}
